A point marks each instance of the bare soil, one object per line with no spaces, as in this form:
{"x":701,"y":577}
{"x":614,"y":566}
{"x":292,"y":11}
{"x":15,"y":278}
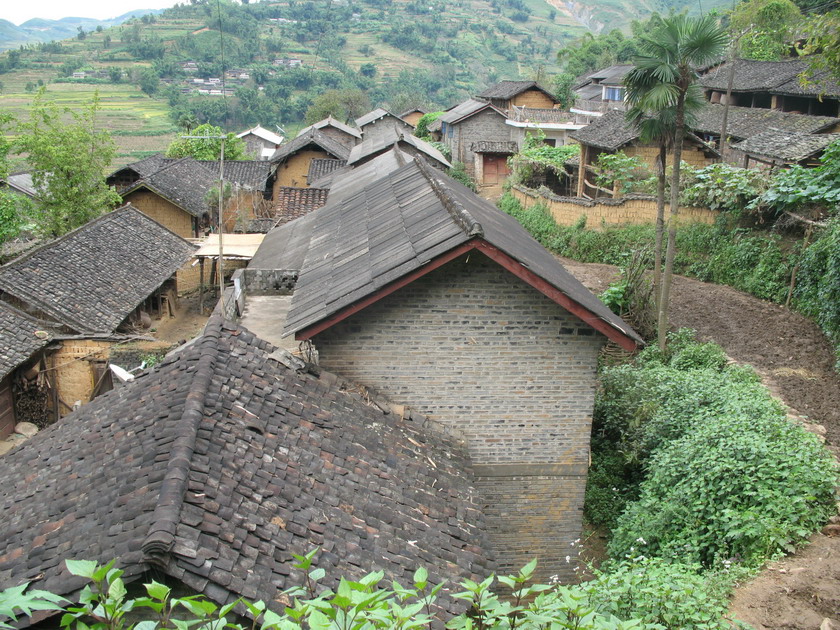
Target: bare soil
{"x":795,"y":360}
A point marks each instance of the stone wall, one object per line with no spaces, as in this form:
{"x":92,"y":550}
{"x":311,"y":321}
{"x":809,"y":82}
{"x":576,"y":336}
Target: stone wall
{"x":269,"y":281}
{"x":472,"y":346}
{"x":632,"y":209}
{"x":487,"y":124}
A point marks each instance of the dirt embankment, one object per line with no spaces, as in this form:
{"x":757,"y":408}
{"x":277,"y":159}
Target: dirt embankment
{"x":796,"y":362}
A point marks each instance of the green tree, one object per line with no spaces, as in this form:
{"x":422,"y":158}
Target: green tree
{"x":68,"y":161}
{"x":663,"y":78}
{"x":823,"y":32}
{"x":10,"y":219}
{"x":765,"y":28}
{"x":206,"y":144}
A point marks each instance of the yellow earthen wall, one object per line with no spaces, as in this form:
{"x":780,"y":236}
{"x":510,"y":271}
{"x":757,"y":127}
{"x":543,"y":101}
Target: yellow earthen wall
{"x":164,"y":212}
{"x":532,"y":98}
{"x":690,"y":155}
{"x":294,"y":170}
{"x":412,"y":118}
{"x":632,"y":211}
{"x":240,"y":210}
{"x":74,"y":373}
{"x":188,"y":277}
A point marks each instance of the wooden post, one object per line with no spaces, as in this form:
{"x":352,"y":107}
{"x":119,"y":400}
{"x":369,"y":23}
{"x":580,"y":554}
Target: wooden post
{"x":213,"y":272}
{"x":201,"y":285}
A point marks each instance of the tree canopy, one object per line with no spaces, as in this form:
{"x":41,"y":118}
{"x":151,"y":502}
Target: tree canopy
{"x":68,"y":161}
{"x":205,"y":143}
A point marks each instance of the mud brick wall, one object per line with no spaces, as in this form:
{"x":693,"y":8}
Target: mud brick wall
{"x":533,"y":98}
{"x":691,"y":154}
{"x":164,"y":212}
{"x":74,"y":373}
{"x":633,"y":209}
{"x":473,"y":346}
{"x":292,"y":172}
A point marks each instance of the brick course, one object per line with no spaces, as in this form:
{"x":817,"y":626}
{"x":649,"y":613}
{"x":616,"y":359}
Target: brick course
{"x":472,"y":346}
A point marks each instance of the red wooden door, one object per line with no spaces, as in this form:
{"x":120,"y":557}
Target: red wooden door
{"x":495,"y":168}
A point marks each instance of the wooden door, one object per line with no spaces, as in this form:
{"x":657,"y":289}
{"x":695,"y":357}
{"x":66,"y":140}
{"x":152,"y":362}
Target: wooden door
{"x":495,"y":168}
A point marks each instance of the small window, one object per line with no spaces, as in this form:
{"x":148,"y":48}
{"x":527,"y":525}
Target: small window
{"x":613,"y":94}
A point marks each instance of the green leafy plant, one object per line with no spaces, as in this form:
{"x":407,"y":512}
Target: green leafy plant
{"x":622,"y":173}
{"x":722,"y":187}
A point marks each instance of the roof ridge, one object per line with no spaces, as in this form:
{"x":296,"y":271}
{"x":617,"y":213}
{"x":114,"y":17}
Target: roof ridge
{"x":466,"y":221}
{"x":160,"y":538}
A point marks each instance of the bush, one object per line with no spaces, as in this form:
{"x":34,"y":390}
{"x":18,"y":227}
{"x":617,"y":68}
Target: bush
{"x":458,"y":172}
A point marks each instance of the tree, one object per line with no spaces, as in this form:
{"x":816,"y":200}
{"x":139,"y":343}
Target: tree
{"x":764,"y":28}
{"x":149,"y":81}
{"x":663,"y":78}
{"x":823,"y":32}
{"x":68,"y":161}
{"x":11,"y":220}
{"x":208,"y":146}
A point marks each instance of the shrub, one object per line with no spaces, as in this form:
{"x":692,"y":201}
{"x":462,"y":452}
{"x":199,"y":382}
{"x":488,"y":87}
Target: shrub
{"x":458,"y":172}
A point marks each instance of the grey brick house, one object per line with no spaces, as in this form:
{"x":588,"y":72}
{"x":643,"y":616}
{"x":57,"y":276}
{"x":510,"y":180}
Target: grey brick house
{"x":415,"y":287}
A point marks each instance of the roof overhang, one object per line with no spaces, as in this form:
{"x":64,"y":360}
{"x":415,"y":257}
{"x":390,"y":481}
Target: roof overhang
{"x":498,"y":256}
{"x":585,"y":112}
{"x":540,"y":125}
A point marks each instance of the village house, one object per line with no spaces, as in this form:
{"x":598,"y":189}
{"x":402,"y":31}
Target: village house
{"x":506,"y":95}
{"x":211,"y":470}
{"x":291,"y":161}
{"x":381,"y":143}
{"x":260,"y":143}
{"x":409,"y":284}
{"x":20,"y":184}
{"x":322,"y":169}
{"x":601,"y":91}
{"x":66,"y":303}
{"x":774,"y":85}
{"x":337,"y":130}
{"x":477,"y":136}
{"x":380,"y":122}
{"x":412,"y":116}
{"x":775,"y":148}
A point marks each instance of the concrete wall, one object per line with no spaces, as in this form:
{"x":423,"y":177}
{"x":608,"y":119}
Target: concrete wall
{"x":470,"y":345}
{"x":164,"y":212}
{"x":633,"y":209}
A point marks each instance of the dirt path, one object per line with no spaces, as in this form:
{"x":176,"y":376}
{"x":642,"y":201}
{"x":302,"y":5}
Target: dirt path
{"x":796,"y":363}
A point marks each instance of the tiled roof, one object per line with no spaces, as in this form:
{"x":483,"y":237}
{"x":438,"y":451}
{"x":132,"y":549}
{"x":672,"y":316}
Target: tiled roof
{"x":396,"y":225}
{"x":261,"y":132}
{"x":350,"y":180}
{"x":786,"y":146}
{"x":611,"y":75}
{"x":184,"y":182}
{"x":219,"y":464}
{"x":93,"y":277}
{"x":329,"y":121}
{"x":508,"y":89}
{"x":22,"y":182}
{"x":745,"y":122}
{"x":291,"y":203}
{"x":320,"y":167}
{"x":465,"y":110}
{"x":776,"y":77}
{"x":609,"y":132}
{"x":382,"y":143}
{"x":313,"y":137}
{"x":372,"y":116}
{"x":250,"y":174}
{"x":419,"y":110}
{"x":18,"y":338}
{"x":144,"y":167}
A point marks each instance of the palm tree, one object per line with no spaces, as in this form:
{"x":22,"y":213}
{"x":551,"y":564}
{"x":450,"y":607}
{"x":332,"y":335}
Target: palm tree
{"x":664,"y":78}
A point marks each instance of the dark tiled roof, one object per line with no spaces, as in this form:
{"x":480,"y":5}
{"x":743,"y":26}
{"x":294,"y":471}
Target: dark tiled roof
{"x":611,"y":75}
{"x":395,"y":225}
{"x":18,"y":340}
{"x":776,"y":77}
{"x":745,"y":122}
{"x":291,"y":203}
{"x":382,"y":143}
{"x":319,"y":168}
{"x":332,"y":122}
{"x":786,"y":146}
{"x":508,"y":89}
{"x":313,"y":137}
{"x":251,"y":174}
{"x":348,"y":181}
{"x":143,"y":168}
{"x":419,"y":110}
{"x":487,"y":146}
{"x":609,"y":132}
{"x":218,"y":465}
{"x":184,"y":182}
{"x":93,"y":277}
{"x":372,"y":116}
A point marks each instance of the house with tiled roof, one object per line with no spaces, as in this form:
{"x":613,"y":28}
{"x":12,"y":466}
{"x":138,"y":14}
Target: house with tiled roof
{"x":322,"y":168}
{"x":411,"y":285}
{"x":260,"y":143}
{"x":777,"y":85}
{"x":212,"y":470}
{"x":505,"y":95}
{"x":775,"y":148}
{"x":600,"y":91}
{"x":337,"y":130}
{"x":87,"y":290}
{"x":376,"y":145}
{"x":413,"y":115}
{"x":380,"y":122}
{"x":292,"y":160}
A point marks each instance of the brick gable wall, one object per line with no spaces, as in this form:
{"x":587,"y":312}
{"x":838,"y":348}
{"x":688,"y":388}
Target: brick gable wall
{"x":472,"y":346}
